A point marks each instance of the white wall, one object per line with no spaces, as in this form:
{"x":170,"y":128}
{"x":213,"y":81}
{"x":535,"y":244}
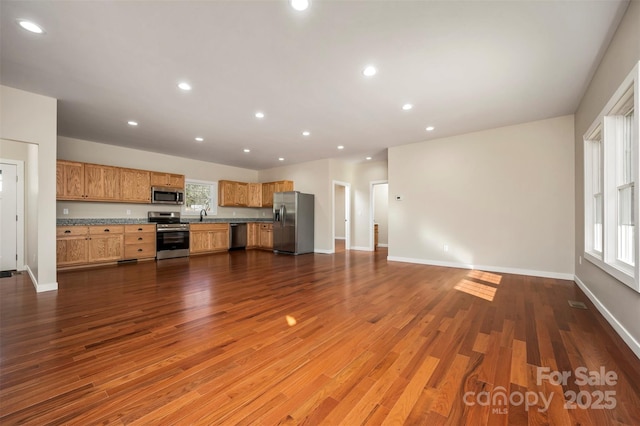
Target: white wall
{"x":31,"y":118}
{"x":93,"y":152}
{"x":312,"y":177}
{"x":500,"y":199}
{"x":381,"y":212}
{"x":617,"y":302}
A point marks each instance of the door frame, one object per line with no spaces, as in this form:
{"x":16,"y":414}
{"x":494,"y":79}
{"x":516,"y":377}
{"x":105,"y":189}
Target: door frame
{"x":372,"y":184}
{"x":347,"y":214}
{"x":20,"y":265}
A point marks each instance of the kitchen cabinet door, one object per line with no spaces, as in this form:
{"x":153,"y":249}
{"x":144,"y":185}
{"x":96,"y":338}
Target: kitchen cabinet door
{"x":135,"y":186}
{"x":199,"y":241}
{"x":105,"y":248}
{"x":266,"y":236}
{"x":241,"y":193}
{"x":219,"y":239}
{"x":283,"y":186}
{"x":226,"y":193}
{"x":268,"y":189}
{"x":253,"y":235}
{"x":102,"y":183}
{"x":72,"y":250}
{"x":69,"y":180}
{"x":167,"y":180}
{"x":254,"y":197}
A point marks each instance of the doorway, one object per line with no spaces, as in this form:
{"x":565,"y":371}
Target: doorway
{"x":379,"y":215}
{"x":341,"y":215}
{"x":11,"y":216}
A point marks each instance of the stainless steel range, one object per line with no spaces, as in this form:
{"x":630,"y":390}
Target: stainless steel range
{"x":172,"y":236}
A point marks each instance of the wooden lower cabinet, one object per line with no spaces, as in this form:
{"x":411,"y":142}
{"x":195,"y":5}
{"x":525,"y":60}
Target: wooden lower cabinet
{"x":86,"y":245}
{"x":208,"y":237}
{"x":139,"y":242}
{"x":266,"y":236}
{"x":253,"y":235}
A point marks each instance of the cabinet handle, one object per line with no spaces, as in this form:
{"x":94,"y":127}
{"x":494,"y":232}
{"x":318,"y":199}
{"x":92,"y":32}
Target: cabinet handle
{"x":106,"y":230}
{"x":139,"y":249}
{"x":139,"y":229}
{"x":68,"y":231}
{"x":139,"y":238}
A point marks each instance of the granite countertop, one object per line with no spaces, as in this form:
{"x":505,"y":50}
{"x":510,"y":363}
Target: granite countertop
{"x":136,"y":221}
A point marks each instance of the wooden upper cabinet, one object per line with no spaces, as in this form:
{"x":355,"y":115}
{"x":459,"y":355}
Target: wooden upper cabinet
{"x":167,"y":180}
{"x":69,"y":180}
{"x":232,"y":194}
{"x":135,"y":185}
{"x":254,"y":197}
{"x":269,"y":188}
{"x":101,"y":182}
{"x":283,"y":186}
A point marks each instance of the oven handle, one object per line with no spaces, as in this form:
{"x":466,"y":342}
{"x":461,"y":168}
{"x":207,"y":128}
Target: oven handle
{"x":172,"y":230}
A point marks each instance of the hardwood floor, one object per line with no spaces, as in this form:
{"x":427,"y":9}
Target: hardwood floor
{"x":254,"y":338}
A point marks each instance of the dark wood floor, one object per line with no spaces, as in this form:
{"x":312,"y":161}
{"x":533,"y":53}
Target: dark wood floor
{"x":255,"y":338}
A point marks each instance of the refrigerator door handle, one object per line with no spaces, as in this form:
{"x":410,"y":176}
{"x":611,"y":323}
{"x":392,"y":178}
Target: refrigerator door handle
{"x":283,"y":214}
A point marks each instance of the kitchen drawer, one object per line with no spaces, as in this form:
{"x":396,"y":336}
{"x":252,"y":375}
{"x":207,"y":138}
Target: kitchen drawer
{"x":140,"y":251}
{"x":141,"y":238}
{"x":266,"y":225}
{"x":68,"y":231}
{"x":106,"y":229}
{"x":133,"y":229}
{"x":209,"y":226}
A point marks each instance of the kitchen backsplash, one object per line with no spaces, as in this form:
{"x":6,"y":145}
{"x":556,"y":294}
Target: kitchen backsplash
{"x":89,"y":210}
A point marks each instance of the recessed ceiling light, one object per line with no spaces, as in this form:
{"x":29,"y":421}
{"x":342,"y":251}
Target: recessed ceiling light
{"x":306,"y":133}
{"x":30,"y":26}
{"x":407,"y":107}
{"x":368,"y":158}
{"x":246,"y":150}
{"x":340,"y":147}
{"x":259,"y":114}
{"x":430,"y":128}
{"x":199,"y":139}
{"x":370,"y":71}
{"x":132,"y":123}
{"x":281,"y":159}
{"x":299,"y":5}
{"x":184,"y":86}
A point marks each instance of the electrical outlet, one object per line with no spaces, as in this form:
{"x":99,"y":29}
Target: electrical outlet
{"x":65,"y":211}
{"x":445,"y":248}
{"x":264,"y":214}
{"x":234,"y":214}
{"x":128,"y":212}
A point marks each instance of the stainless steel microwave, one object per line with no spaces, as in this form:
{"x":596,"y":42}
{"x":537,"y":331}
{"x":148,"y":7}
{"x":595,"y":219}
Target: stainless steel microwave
{"x":160,"y":195}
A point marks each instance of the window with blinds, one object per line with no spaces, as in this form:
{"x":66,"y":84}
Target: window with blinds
{"x":611,"y":156}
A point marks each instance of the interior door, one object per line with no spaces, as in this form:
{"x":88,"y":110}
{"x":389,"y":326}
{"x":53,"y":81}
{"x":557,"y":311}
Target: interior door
{"x":8,"y":217}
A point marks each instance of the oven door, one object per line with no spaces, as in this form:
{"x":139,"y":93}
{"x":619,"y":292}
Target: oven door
{"x":172,"y":243}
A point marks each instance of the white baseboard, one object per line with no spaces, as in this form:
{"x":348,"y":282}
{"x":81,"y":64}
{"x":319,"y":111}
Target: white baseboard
{"x":633,"y":344}
{"x":340,"y":238}
{"x":383,"y":245}
{"x":504,"y":270}
{"x":360,"y":248}
{"x":322,"y":251}
{"x":41,"y":287}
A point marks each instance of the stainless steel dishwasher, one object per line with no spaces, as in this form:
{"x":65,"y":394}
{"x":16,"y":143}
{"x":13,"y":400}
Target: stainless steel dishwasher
{"x":237,"y":236}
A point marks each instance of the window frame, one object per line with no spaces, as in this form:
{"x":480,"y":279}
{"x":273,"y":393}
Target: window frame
{"x":213,"y":206}
{"x":611,"y":164}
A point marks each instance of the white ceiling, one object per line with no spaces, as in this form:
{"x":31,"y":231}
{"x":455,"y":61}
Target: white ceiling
{"x":465,"y":66}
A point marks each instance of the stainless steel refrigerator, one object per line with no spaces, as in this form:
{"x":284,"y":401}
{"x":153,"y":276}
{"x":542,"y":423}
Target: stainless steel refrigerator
{"x":293,"y":222}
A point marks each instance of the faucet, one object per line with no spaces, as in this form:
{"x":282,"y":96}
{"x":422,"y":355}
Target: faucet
{"x":201,"y":212}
